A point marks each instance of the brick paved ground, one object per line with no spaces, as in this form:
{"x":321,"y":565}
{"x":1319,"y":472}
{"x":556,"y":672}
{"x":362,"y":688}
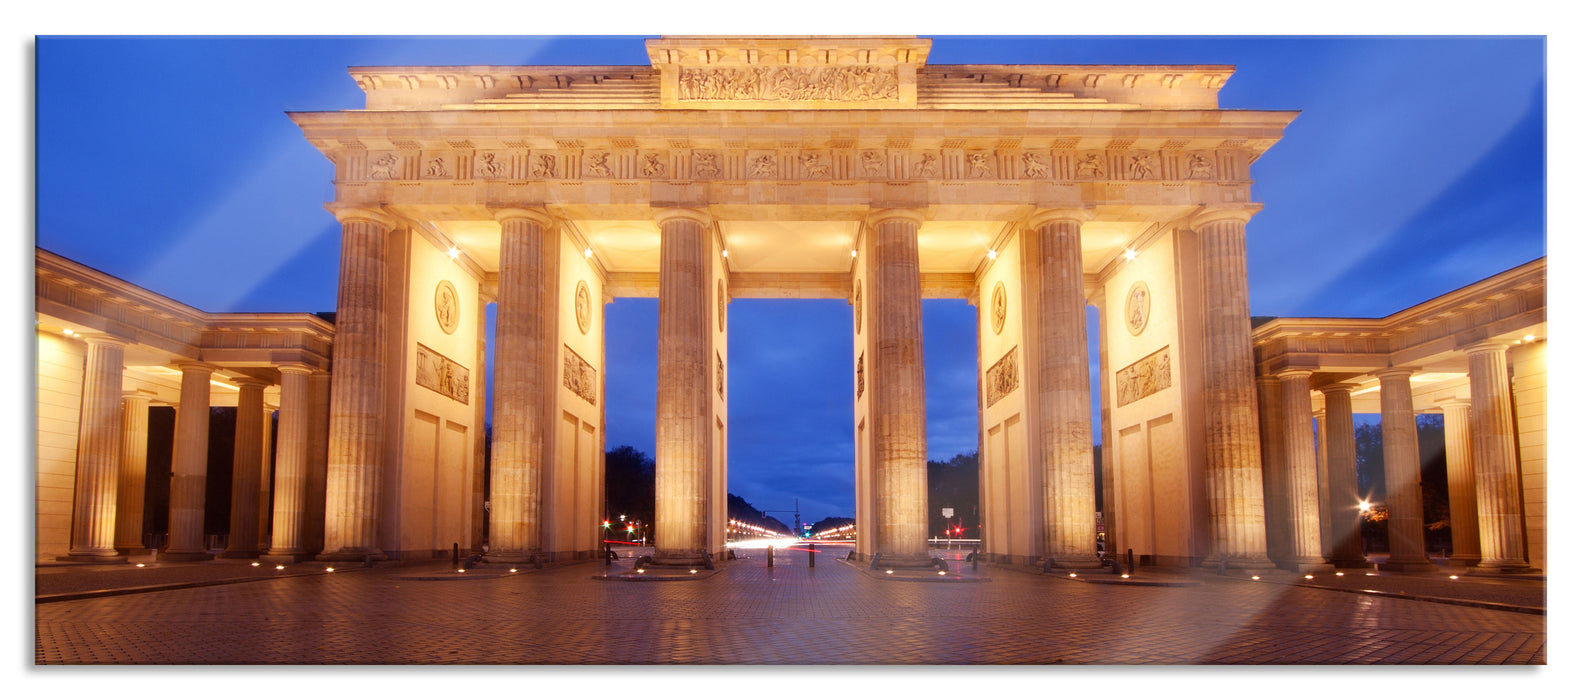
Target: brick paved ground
{"x":748,"y":614}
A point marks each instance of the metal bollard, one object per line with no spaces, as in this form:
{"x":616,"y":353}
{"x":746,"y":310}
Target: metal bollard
{"x":455,"y":555}
{"x":810,"y":546}
{"x":771,"y":557}
{"x":1131,"y":566}
{"x":974,"y":557}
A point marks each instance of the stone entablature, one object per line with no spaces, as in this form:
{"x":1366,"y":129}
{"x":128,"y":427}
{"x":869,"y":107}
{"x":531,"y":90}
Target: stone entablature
{"x":93,"y":301}
{"x":1501,"y":304}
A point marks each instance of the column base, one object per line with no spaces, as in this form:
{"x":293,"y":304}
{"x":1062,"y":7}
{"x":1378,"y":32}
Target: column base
{"x":881,"y":560}
{"x":1311,"y":566}
{"x":94,"y":558}
{"x":199,"y":555}
{"x":1467,"y":560}
{"x":353,"y":555}
{"x":1503,"y":567}
{"x":679,"y":559}
{"x":239,"y":554}
{"x":1251,"y":565}
{"x":1083,"y":562}
{"x":133,"y":551}
{"x":497,"y":557}
{"x":1408,"y":567}
{"x":285,"y":557}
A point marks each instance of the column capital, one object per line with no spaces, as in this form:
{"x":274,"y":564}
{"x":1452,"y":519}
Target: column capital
{"x":1337,"y":388}
{"x":1394,"y":372}
{"x":1457,"y":401}
{"x":138,"y":395}
{"x":1293,"y":373}
{"x":195,"y":366}
{"x":663,"y":216}
{"x":535,"y":215}
{"x":247,"y":381}
{"x":879,"y":216}
{"x":347,"y":213}
{"x":104,"y":339}
{"x":1241,"y":214}
{"x":295,"y":368}
{"x":1486,"y":346}
{"x":1044,"y":216}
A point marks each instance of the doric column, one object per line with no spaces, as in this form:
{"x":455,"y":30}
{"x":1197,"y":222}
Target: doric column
{"x":245,"y":463}
{"x":525,"y":356}
{"x":681,"y":461}
{"x":1464,"y":533}
{"x":1403,"y":482}
{"x":98,"y":452}
{"x":133,"y":473}
{"x":896,"y":409}
{"x":266,"y":463}
{"x":1340,"y":448}
{"x":1235,"y":479}
{"x":318,"y":458}
{"x":1276,"y":492}
{"x":1326,"y":535}
{"x":189,"y":465}
{"x":1307,"y":546}
{"x":357,"y":394}
{"x":1494,"y":459}
{"x":1056,"y":325}
{"x":291,"y":465}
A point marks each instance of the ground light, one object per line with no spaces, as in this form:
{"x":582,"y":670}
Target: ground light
{"x":329,"y":569}
{"x":280,"y":567}
{"x":255,"y":563}
{"x":139,"y":566}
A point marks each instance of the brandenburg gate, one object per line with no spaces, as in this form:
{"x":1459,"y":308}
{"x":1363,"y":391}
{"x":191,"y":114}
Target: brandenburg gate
{"x":841,"y":167}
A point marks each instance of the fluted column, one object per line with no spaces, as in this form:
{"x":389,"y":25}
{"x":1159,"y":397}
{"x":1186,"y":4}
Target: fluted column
{"x":681,"y":461}
{"x":1403,"y":482}
{"x":266,"y":427}
{"x":245,"y":462}
{"x":1058,"y":333}
{"x":1276,"y":492}
{"x":357,"y":394}
{"x":291,"y":465}
{"x":133,"y":473}
{"x":1235,"y":479}
{"x":1307,"y":546}
{"x":189,"y":465}
{"x":1462,"y":480}
{"x":525,"y":357}
{"x":98,"y":453}
{"x":1325,"y":510}
{"x":1340,"y":448}
{"x":318,"y":458}
{"x":1494,"y":459}
{"x":896,"y":409}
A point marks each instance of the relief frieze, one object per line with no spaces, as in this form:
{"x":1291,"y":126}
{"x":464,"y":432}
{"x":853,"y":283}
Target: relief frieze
{"x":442,"y":374}
{"x":789,"y":84}
{"x":1144,"y":377}
{"x":580,"y":377}
{"x":1000,"y":380}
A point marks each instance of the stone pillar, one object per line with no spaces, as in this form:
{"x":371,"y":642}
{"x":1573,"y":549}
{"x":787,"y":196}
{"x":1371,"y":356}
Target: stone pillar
{"x":1494,"y":459}
{"x":266,"y":463}
{"x":896,"y":409}
{"x":1056,"y":325}
{"x":1326,"y":534}
{"x":1464,"y":532}
{"x":1340,"y":447}
{"x":189,"y":466}
{"x":525,"y":357}
{"x":318,"y":458}
{"x":1276,"y":492}
{"x":1307,"y":546}
{"x":1403,"y":482}
{"x":98,"y":453}
{"x":357,"y":394}
{"x":1235,"y":479}
{"x":683,"y":409}
{"x":133,"y":473}
{"x":245,"y":461}
{"x":291,"y":466}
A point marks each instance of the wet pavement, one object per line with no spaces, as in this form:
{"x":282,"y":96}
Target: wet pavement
{"x":228,"y":612}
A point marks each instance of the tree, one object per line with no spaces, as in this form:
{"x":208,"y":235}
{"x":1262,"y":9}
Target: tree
{"x":629,"y":484}
{"x":953,"y":484}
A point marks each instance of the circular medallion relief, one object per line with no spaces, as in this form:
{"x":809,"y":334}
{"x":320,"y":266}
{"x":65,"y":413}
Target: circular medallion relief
{"x":1137,"y":307}
{"x":997,"y":308}
{"x":584,"y":307}
{"x":447,"y":307}
{"x":719,"y":302}
{"x":856,"y":305}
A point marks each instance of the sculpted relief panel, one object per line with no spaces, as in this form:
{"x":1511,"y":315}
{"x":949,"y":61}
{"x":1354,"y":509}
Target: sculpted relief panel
{"x":1144,"y":377}
{"x":580,"y":377}
{"x":442,"y":374}
{"x":1000,"y":380}
{"x":789,"y":84}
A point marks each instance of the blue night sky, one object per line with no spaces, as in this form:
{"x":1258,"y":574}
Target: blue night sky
{"x":1416,"y":167}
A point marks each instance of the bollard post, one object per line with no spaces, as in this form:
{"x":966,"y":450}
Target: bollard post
{"x":1131,"y":566}
{"x":810,"y":546}
{"x":455,"y":555}
{"x":771,"y":556}
{"x":974,"y":557}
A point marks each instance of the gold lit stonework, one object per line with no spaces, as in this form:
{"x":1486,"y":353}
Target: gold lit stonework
{"x":997,"y":320}
{"x":584,"y":307}
{"x":447,"y":307}
{"x":1137,"y":307}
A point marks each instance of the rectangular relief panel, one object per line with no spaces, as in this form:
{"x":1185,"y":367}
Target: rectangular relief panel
{"x":580,"y":377}
{"x":1144,"y":377}
{"x":444,"y":375}
{"x":1000,"y":380}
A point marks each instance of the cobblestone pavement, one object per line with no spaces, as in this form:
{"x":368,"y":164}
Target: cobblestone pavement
{"x":748,"y":614}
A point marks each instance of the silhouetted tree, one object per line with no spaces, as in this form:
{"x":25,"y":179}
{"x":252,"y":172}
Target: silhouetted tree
{"x":629,"y":484}
{"x":953,"y":484}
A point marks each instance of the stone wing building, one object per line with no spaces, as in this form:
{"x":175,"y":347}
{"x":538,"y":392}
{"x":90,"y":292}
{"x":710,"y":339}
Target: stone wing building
{"x":839,"y":167}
